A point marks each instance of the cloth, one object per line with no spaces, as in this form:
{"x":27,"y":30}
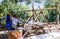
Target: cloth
{"x":8,"y":18}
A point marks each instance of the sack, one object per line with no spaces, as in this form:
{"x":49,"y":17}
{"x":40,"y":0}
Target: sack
{"x":14,"y":34}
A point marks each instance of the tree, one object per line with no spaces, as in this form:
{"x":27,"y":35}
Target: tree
{"x":11,"y":5}
{"x":52,"y":3}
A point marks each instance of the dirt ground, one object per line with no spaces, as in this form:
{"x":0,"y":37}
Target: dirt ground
{"x":5,"y":36}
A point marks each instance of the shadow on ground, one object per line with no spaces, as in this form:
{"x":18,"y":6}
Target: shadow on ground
{"x":4,"y":36}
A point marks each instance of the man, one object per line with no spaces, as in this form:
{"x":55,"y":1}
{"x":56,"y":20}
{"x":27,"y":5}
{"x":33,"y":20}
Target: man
{"x":15,"y":21}
{"x":8,"y":21}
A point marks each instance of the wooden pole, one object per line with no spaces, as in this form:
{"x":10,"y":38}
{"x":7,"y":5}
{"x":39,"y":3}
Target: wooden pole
{"x":38,"y":10}
{"x":45,"y":19}
{"x":42,"y":13}
{"x":33,"y":9}
{"x":58,"y":14}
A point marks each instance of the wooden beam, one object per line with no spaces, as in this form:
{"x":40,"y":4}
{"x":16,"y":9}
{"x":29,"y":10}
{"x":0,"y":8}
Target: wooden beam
{"x":58,"y":14}
{"x":50,"y":8}
{"x":37,"y":10}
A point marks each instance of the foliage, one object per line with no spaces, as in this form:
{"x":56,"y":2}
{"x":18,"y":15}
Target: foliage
{"x":51,"y":16}
{"x":11,"y":5}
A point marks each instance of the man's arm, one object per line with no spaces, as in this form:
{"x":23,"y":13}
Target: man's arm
{"x":19,"y":21}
